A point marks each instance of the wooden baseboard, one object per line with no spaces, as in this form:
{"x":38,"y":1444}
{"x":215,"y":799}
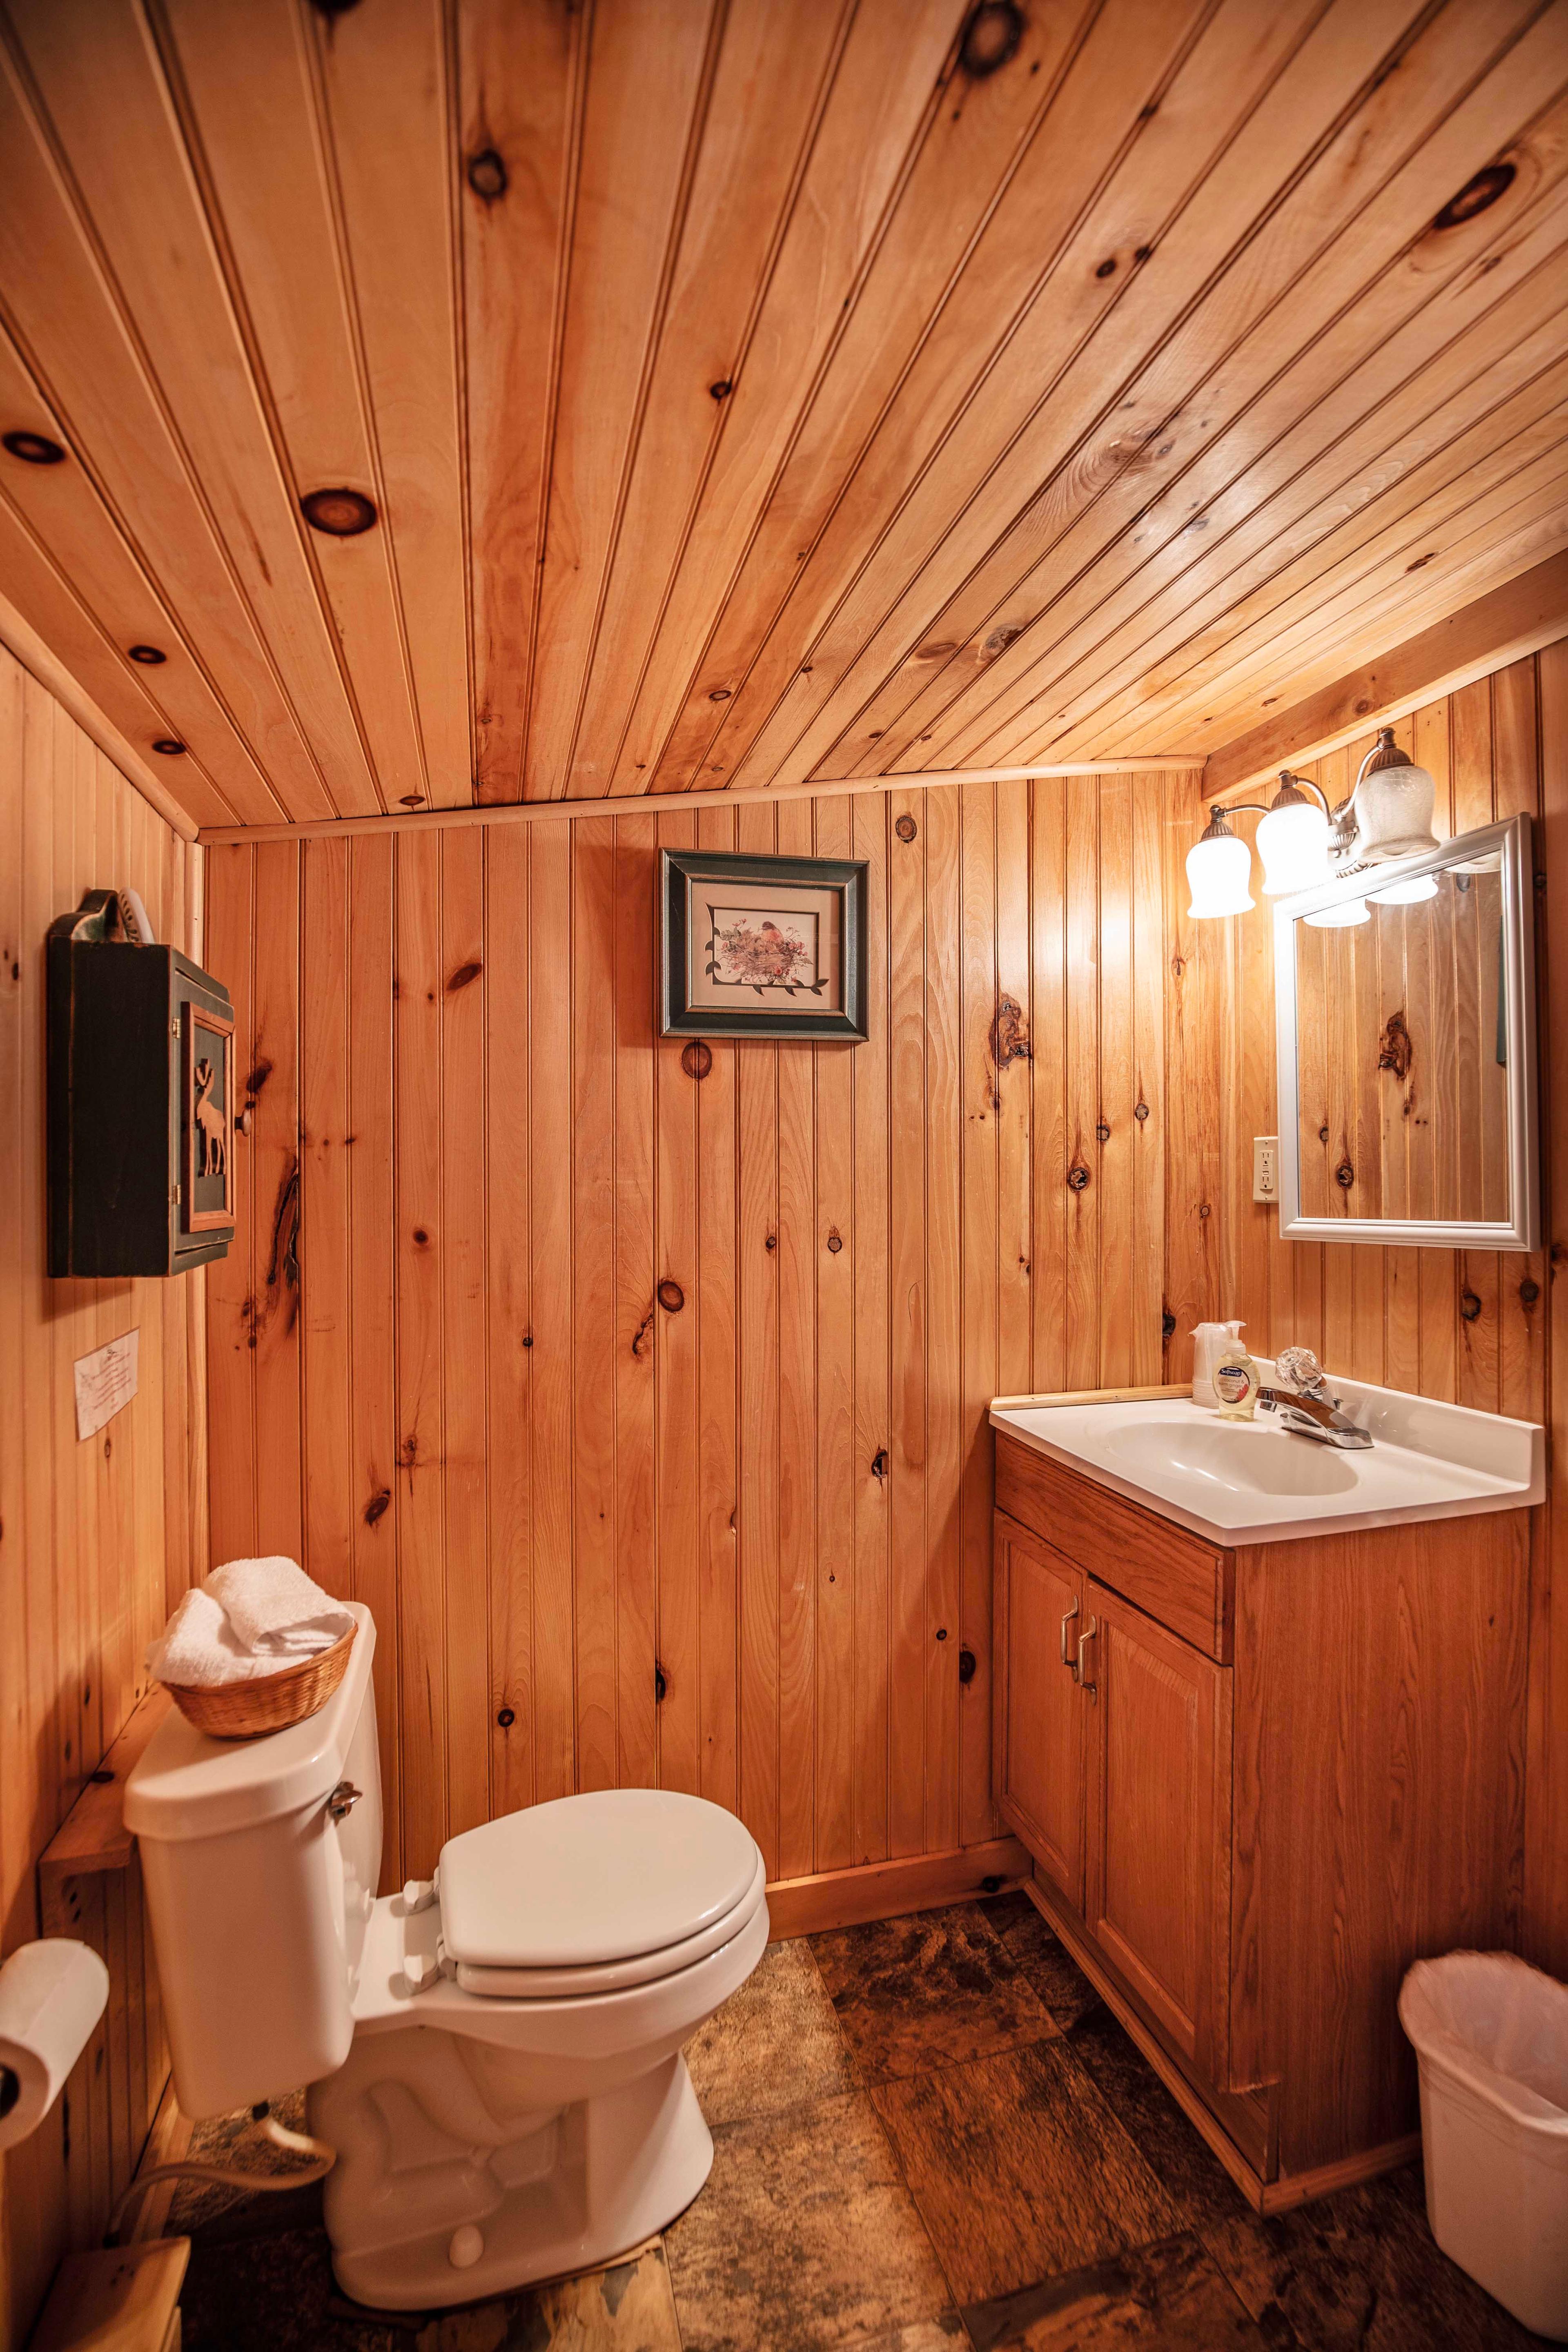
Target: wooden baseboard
{"x":1299,"y":2187}
{"x":882,"y":1890}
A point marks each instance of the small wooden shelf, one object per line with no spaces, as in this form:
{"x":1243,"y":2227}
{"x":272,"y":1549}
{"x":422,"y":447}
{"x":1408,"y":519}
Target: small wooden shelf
{"x":93,"y":1836}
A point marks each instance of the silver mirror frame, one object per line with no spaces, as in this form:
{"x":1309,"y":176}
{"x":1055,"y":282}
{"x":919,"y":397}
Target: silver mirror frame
{"x":1522,"y":1230}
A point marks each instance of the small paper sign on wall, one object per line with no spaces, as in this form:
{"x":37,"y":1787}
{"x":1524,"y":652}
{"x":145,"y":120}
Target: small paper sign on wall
{"x":104,"y":1382}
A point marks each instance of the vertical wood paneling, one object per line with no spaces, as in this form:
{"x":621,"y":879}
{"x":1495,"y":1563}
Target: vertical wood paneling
{"x":421,"y":1249}
{"x":593,"y":1165}
{"x":1471,"y":1325}
{"x":689,"y":1487}
{"x":98,"y":1539}
{"x":465,"y":1178}
{"x":789,"y":1446}
{"x":635,"y":1312}
{"x":373,"y":1423}
{"x":833,"y":1256}
{"x":871,"y":1460}
{"x":718,"y":1599}
{"x":673,"y":1333}
{"x":508,"y":1363}
{"x":550,"y":1117}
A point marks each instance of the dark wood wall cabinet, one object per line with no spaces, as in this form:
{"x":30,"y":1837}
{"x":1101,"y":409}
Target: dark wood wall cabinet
{"x":1256,"y":1784}
{"x":140,"y":1102}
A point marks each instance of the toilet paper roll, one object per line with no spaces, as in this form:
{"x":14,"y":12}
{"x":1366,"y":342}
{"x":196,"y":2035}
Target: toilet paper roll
{"x":51,"y":1996}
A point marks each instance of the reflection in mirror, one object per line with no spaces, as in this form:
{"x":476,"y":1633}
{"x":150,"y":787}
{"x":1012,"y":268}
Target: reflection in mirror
{"x":1401,"y":1053}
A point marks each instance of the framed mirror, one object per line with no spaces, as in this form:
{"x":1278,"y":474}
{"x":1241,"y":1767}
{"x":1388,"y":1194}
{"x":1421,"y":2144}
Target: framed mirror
{"x":1404,"y":1008}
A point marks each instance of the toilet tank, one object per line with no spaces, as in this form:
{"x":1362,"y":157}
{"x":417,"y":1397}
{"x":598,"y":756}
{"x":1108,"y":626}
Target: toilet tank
{"x":259,"y":1895}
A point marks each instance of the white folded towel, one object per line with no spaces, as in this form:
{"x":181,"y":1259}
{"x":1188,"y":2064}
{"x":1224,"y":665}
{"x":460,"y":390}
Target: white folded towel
{"x":276,"y":1611}
{"x":241,"y":1625}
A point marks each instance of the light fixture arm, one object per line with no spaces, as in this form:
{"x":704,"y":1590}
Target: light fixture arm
{"x":1290,"y":783}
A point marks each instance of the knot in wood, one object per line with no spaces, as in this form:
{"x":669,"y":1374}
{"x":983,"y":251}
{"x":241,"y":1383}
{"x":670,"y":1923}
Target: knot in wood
{"x":1345,"y":1175}
{"x":1078,"y":1177}
{"x":670,"y":1296}
{"x":696,"y":1059}
{"x":906,"y":828}
{"x":487,"y":175}
{"x":991,"y":38}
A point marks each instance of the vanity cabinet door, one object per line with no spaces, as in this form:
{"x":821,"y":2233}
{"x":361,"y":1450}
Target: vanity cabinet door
{"x":1158,"y":1820}
{"x":1039,"y":1744}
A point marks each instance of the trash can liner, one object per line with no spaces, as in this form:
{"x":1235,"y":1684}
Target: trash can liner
{"x":1498,"y":2025}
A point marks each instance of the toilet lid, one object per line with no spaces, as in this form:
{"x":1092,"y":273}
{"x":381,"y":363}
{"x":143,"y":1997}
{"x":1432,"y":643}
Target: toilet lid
{"x":588,"y":1879}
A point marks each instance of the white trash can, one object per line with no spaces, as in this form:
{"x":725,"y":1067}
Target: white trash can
{"x":1492,"y":2035}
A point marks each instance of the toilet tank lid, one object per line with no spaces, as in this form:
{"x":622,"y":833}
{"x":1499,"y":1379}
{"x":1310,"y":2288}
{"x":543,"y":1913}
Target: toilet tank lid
{"x":188,"y":1785}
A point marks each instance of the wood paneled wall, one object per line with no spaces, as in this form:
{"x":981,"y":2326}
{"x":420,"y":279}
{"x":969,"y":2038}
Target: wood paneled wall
{"x":1474,"y":1326}
{"x":441,"y":1371}
{"x":97,"y":1539}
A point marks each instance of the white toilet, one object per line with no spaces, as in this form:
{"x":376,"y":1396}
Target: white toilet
{"x":497,"y":2059}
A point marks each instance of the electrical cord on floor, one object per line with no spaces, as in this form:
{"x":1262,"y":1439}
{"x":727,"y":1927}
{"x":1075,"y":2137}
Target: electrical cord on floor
{"x":321,"y":2159}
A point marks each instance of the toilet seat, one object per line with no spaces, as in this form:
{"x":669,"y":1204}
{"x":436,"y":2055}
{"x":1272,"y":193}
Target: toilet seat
{"x":617,"y":1976}
{"x":595,"y":1894}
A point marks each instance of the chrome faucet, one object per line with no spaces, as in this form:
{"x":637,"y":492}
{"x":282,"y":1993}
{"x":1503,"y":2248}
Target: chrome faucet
{"x":1307,"y":1409}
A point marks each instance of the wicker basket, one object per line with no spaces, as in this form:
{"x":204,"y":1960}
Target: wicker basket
{"x":267,"y":1701}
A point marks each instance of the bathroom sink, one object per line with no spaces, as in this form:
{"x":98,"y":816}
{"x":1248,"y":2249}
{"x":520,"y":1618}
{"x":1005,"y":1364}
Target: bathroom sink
{"x":1236,"y":1456}
{"x":1241,"y":1482}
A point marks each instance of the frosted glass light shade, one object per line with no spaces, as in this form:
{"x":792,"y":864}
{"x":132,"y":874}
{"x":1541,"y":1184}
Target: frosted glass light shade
{"x":1406,"y":893}
{"x":1219,"y":871}
{"x":1293,"y":843}
{"x":1341,"y":917}
{"x":1393,"y":800}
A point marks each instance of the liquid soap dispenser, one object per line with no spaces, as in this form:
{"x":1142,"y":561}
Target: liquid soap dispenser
{"x":1207,"y":1341}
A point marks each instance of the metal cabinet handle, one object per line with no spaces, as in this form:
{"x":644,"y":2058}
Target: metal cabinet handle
{"x":343,"y":1800}
{"x":1089,"y":1634}
{"x":1068,"y":1659}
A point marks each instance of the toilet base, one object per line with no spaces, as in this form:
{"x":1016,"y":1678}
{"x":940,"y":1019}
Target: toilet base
{"x":563,"y":2190}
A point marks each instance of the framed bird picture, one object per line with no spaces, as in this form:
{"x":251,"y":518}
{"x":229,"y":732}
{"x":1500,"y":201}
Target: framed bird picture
{"x":762,"y":947}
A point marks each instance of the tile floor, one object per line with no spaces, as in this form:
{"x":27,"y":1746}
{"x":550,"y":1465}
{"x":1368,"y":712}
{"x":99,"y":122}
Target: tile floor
{"x":930,"y":2136}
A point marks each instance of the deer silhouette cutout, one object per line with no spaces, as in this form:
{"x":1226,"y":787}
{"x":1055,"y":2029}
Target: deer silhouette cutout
{"x":215,"y":1140}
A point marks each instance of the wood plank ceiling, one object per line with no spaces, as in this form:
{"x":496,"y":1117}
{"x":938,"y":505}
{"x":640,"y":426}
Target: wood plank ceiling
{"x":750,"y":393}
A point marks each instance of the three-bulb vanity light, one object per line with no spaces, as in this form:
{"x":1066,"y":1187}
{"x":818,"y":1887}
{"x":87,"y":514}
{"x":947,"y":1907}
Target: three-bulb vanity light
{"x":1303,"y":840}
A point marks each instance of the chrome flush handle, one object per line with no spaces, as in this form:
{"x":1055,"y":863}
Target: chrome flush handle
{"x":343,"y":1800}
{"x":1068,"y":1661}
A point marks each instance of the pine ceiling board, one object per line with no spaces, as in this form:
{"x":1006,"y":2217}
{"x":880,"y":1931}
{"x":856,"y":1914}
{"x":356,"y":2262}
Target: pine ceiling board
{"x":111,"y":281}
{"x":649,"y":68}
{"x":1228,"y":237}
{"x":35,"y":585}
{"x":1504,"y":516}
{"x":856,"y":297}
{"x":385,"y":77}
{"x":1300,"y":379}
{"x":1204,"y":636}
{"x":70,"y":563}
{"x":243,"y":73}
{"x":1259,"y":537}
{"x":1243,"y":117}
{"x":522,"y":80}
{"x":773,"y":70}
{"x":1486,"y":564}
{"x":1012,"y":296}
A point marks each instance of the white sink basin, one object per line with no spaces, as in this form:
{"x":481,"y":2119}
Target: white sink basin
{"x":1240,"y":1481}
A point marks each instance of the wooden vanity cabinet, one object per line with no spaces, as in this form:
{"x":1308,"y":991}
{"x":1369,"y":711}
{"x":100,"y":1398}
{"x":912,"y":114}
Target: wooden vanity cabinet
{"x":1256,"y":1784}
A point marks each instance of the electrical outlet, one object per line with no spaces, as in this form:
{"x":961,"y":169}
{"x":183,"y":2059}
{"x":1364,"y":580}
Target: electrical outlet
{"x":1266,"y":1168}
